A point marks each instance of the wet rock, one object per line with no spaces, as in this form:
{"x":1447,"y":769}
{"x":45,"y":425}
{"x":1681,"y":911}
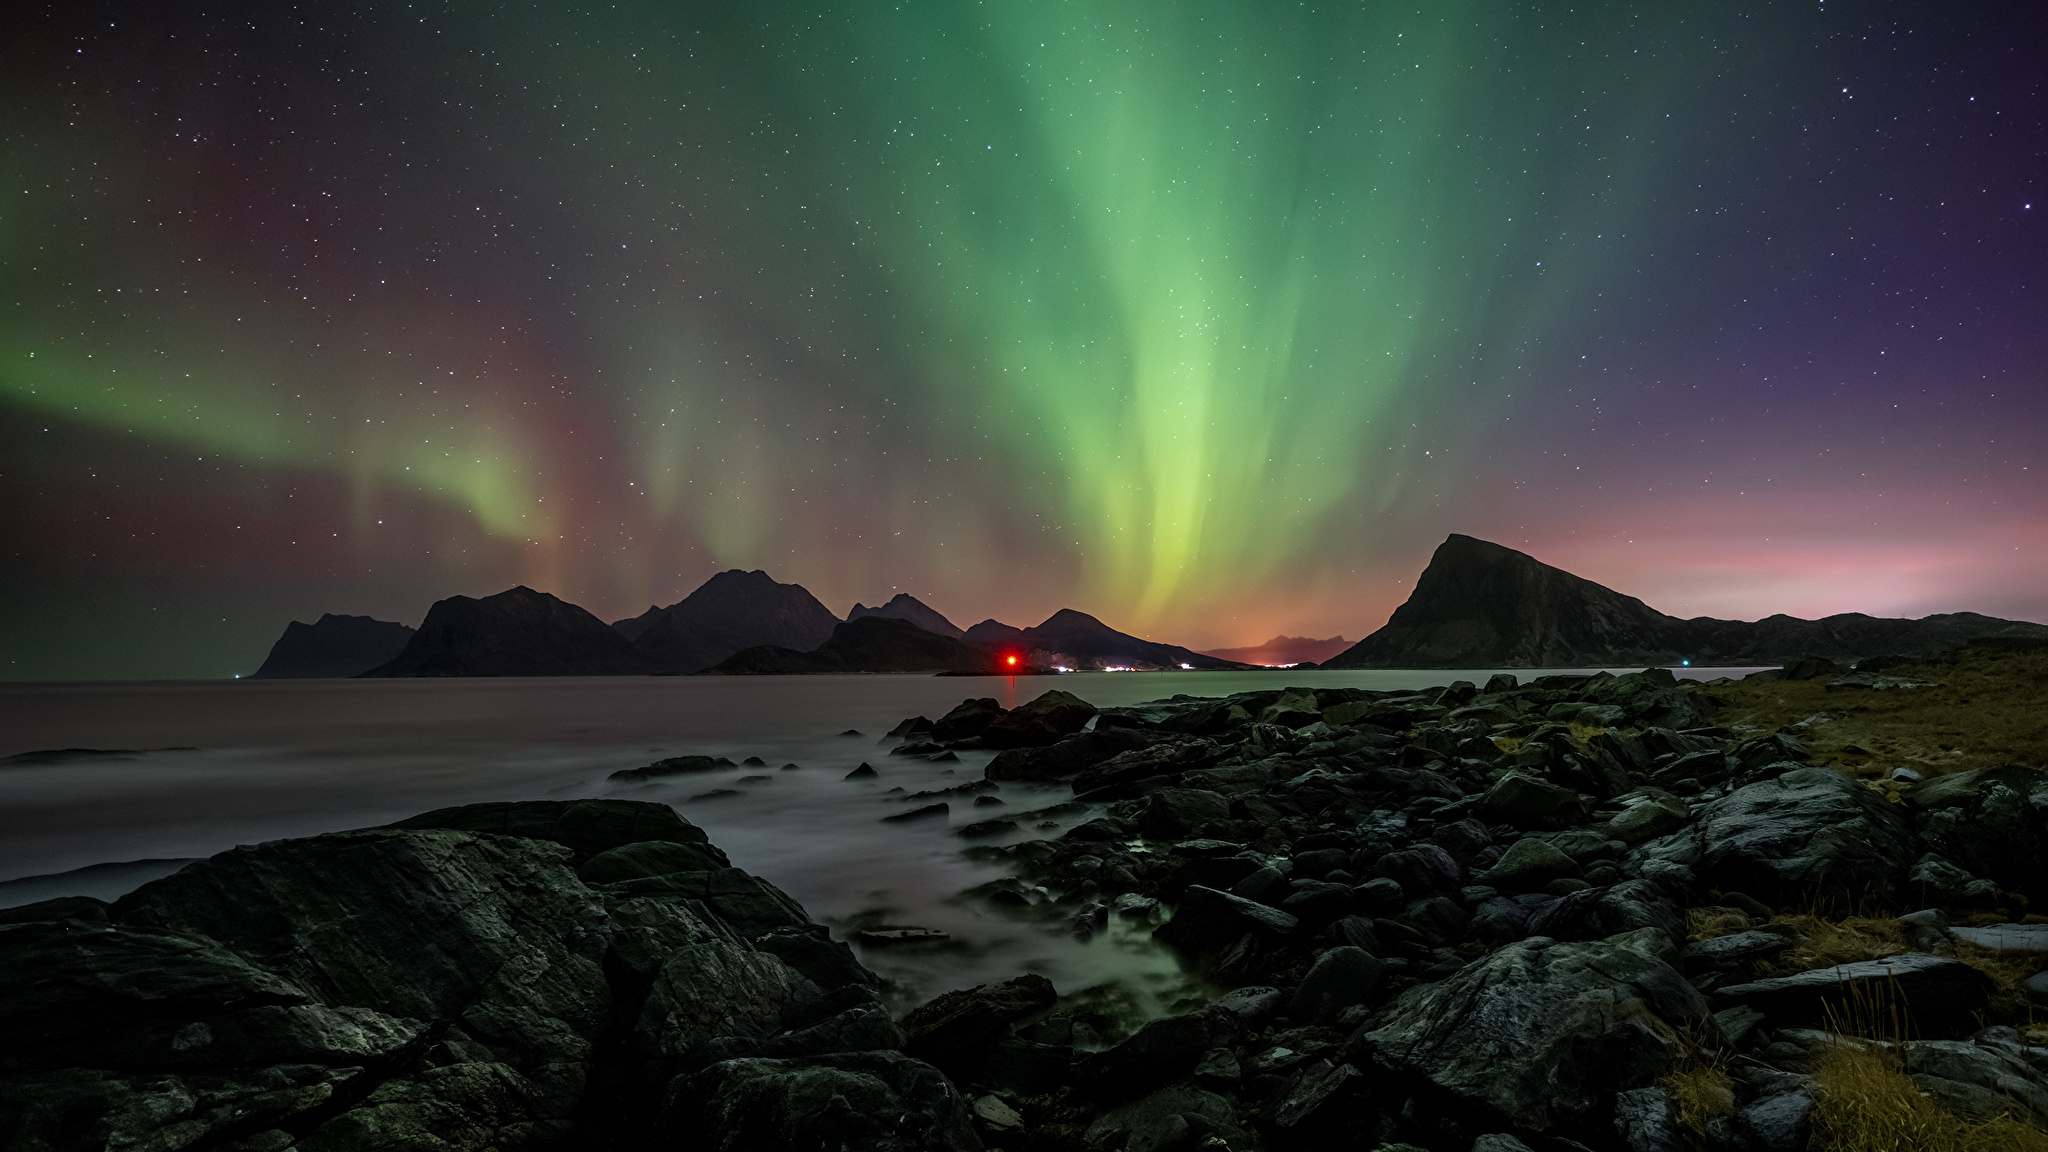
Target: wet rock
{"x":969,"y":720}
{"x":1933,"y":880}
{"x":1810,"y":836}
{"x":855,"y":1102}
{"x":1339,"y":978}
{"x":1988,"y":821}
{"x":995,"y":1117}
{"x":1208,"y":920}
{"x":1317,"y":901}
{"x":1647,"y":814}
{"x":1737,"y":950}
{"x":1381,"y":894}
{"x":1541,"y":1033}
{"x":915,"y":726}
{"x":650,"y":858}
{"x":2017,"y":937}
{"x":1101,"y":830}
{"x":1172,"y":813}
{"x":1158,"y":758}
{"x":1531,"y":803}
{"x":673,"y":766}
{"x":1527,"y":866}
{"x":927,"y":812}
{"x":1939,"y":995}
{"x":1597,"y":913}
{"x":1978,"y":1080}
{"x":1500,"y":920}
{"x":1040,"y":722}
{"x":749,"y":905}
{"x":1776,"y":1123}
{"x":1218,"y":1068}
{"x":1425,"y":869}
{"x":1068,"y":758}
{"x":866,"y":771}
{"x":1645,"y":1121}
{"x":585,"y":827}
{"x":1179,"y":1116}
{"x":1314,"y":1097}
{"x":957,"y":1030}
{"x":1159,"y":1051}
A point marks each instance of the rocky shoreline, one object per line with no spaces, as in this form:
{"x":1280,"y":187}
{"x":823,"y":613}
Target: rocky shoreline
{"x":1573,"y":913}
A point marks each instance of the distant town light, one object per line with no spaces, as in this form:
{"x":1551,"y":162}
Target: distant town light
{"x":1187,"y":665}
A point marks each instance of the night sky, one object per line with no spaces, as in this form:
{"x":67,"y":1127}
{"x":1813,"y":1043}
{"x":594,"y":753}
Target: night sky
{"x":1208,"y":318}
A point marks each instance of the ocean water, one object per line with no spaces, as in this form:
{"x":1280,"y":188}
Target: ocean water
{"x":212,"y":764}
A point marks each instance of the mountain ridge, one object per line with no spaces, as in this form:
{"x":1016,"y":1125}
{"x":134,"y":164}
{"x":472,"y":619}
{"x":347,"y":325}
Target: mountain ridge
{"x":1484,"y":605}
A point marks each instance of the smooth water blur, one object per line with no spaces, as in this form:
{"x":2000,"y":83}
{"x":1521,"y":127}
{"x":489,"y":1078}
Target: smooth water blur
{"x":262,"y":760}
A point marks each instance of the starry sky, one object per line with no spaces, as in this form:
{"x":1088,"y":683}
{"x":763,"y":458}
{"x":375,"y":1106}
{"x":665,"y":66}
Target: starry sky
{"x":1209,"y":317}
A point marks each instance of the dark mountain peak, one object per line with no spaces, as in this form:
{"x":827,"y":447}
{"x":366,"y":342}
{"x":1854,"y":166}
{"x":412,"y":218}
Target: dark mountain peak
{"x":908,"y":607}
{"x":737,"y":609}
{"x":1479,"y":604}
{"x":868,"y":644}
{"x":518,"y":632}
{"x":333,"y":647}
{"x":1482,"y":605}
{"x":1068,"y":621}
{"x":992,"y":631}
{"x":1080,"y":640}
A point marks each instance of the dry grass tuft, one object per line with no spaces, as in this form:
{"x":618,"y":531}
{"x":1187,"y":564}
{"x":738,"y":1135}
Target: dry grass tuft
{"x":1508,"y":744}
{"x":1981,"y":708}
{"x":2008,"y":970}
{"x":1705,"y":923}
{"x":1863,"y":1101}
{"x":1826,"y":943}
{"x":1583,"y":733}
{"x":1701,"y":1089}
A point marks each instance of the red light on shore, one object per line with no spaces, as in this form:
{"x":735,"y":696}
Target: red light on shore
{"x":1009,"y":659}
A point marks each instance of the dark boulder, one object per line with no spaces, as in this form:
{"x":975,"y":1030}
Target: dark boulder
{"x":1042,"y":721}
{"x":957,"y":1031}
{"x":1154,"y":758}
{"x":1065,"y":759}
{"x":1339,"y":978}
{"x":1423,"y":870}
{"x":1159,"y":1051}
{"x":1173,"y":813}
{"x":1988,"y":821}
{"x":1939,"y":996}
{"x":1531,"y":803}
{"x":855,"y":1102}
{"x":969,"y":719}
{"x":1208,"y":920}
{"x":1539,"y":1033}
{"x":1810,"y":836}
{"x":1597,"y":913}
{"x":1176,"y":1116}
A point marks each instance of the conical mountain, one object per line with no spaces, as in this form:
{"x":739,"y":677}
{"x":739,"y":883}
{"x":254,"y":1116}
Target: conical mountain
{"x":1086,"y":642}
{"x":908,"y":607}
{"x":731,"y":611}
{"x":518,"y":632}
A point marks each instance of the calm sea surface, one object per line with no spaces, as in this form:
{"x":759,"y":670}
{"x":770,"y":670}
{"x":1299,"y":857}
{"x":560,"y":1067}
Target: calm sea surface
{"x":260,"y":760}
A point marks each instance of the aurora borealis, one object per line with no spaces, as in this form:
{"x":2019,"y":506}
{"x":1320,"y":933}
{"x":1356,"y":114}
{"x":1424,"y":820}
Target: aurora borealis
{"x":1207,"y":318}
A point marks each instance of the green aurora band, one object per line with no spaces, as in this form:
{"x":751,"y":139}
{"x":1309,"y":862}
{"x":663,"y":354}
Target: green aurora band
{"x":1163,"y":302}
